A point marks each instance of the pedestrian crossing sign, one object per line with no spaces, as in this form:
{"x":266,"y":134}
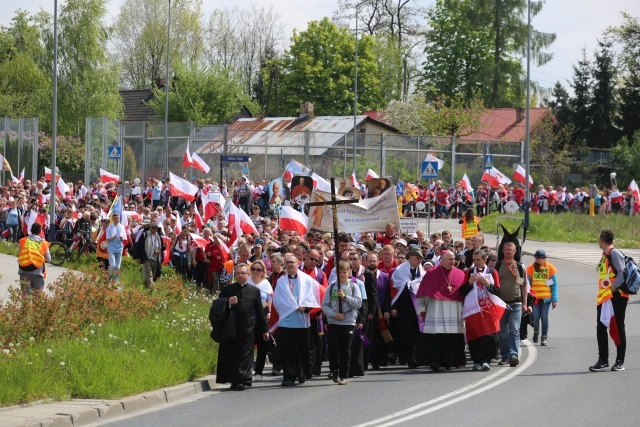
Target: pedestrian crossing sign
{"x":115,"y":153}
{"x":488,"y":161}
{"x":430,"y":170}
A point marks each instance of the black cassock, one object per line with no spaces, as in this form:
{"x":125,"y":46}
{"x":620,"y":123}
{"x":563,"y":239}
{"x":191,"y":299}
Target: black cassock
{"x":405,"y":327}
{"x":235,"y":357}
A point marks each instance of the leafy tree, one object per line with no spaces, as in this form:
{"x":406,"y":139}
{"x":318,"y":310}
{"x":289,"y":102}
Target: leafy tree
{"x":319,"y":67}
{"x":625,"y":155}
{"x":580,"y":102}
{"x":628,"y":35}
{"x":203,"y":95}
{"x":70,"y":153}
{"x":559,"y":105}
{"x":551,"y":151}
{"x":603,"y":103}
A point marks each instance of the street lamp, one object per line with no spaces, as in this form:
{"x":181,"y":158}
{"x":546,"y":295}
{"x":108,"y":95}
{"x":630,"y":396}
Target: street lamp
{"x":54,"y":128}
{"x":355,"y":89}
{"x":166,"y":98}
{"x":527,"y":140}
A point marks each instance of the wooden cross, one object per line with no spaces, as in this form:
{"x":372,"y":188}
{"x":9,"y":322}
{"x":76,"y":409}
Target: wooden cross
{"x":334,"y":209}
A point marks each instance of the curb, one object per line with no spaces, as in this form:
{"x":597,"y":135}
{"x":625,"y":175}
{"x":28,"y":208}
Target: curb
{"x":81,"y":412}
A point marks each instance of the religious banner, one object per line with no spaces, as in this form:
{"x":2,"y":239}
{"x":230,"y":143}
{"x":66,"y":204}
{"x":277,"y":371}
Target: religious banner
{"x":377,"y":186}
{"x":301,"y":189}
{"x":368,"y":215}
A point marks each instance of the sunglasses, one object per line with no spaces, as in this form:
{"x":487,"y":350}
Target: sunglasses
{"x":312,"y":259}
{"x":256,"y":269}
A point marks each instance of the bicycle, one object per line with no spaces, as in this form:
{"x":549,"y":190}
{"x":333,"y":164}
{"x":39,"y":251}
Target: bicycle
{"x":80,"y":245}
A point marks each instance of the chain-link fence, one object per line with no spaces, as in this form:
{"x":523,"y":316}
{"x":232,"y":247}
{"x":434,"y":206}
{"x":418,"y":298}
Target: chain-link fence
{"x":19,"y":139}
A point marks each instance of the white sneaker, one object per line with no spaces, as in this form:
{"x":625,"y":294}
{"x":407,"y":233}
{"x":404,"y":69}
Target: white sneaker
{"x":486,"y":367}
{"x":258,"y":378}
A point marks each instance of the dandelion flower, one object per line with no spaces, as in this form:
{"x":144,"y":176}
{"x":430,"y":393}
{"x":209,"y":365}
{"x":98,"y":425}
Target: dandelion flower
{"x":142,"y":351}
{"x":9,"y":355}
{"x":126,"y":342}
{"x":29,"y":363}
{"x":110,"y":335}
{"x":62,"y":363}
{"x":99,"y":325}
{"x":170,"y":345}
{"x":10,"y":344}
{"x":6,"y":351}
{"x":92,"y":331}
{"x":49,"y":351}
{"x":36,"y":355}
{"x":32,"y":339}
{"x":85,"y":339}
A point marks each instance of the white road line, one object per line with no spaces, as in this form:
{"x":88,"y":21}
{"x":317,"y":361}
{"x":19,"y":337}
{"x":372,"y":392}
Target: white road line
{"x":462,"y":393}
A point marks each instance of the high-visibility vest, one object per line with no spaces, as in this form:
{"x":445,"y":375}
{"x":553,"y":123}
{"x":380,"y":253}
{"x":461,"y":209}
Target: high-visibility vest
{"x":470,"y":229}
{"x":32,"y":252}
{"x":540,"y":279}
{"x":606,"y":276}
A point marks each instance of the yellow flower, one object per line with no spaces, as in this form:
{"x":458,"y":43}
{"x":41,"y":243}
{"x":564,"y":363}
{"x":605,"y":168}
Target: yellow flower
{"x":36,"y":354}
{"x":9,"y":355}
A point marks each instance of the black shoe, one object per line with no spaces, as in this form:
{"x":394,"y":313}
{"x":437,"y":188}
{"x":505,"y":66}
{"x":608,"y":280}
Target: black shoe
{"x":240,"y":387}
{"x":412,"y":366}
{"x":600,"y":366}
{"x":288,"y":383}
{"x":302,"y":380}
{"x":248,"y":384}
{"x":618,"y":366}
{"x":233,"y":386}
{"x":434,"y":367}
{"x":514,"y":361}
{"x":310,"y":376}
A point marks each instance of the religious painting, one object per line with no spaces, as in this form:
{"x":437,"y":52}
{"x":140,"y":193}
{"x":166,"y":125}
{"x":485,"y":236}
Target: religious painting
{"x":277,"y":194}
{"x":377,"y":186}
{"x":301,"y":189}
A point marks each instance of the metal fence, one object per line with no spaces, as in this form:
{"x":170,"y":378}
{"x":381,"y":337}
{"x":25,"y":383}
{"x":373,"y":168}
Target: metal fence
{"x":19,"y":139}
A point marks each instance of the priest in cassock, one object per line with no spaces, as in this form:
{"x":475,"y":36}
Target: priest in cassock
{"x":405,"y":281}
{"x":380,"y":336}
{"x":295,"y":295}
{"x":235,"y":357}
{"x":439,"y":303}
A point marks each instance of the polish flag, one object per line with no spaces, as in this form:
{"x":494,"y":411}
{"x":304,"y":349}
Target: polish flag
{"x":353,"y":180}
{"x":319,"y":183}
{"x":62,"y":188}
{"x":199,"y":240}
{"x":213,"y":205}
{"x":494,"y":177}
{"x":14,"y":179}
{"x":466,"y":184}
{"x":187,"y":161}
{"x":432,"y":158}
{"x":295,"y":168}
{"x":182,"y":188}
{"x":108,"y":177}
{"x":634,"y":189}
{"x":133,"y":215}
{"x":198,"y":163}
{"x":293,"y":220}
{"x":32,"y":219}
{"x":167,"y":251}
{"x":520,"y":174}
{"x":239,"y":223}
{"x":608,"y":319}
{"x":198,"y":220}
{"x":47,"y":174}
{"x":21,"y":176}
{"x":370,"y":175}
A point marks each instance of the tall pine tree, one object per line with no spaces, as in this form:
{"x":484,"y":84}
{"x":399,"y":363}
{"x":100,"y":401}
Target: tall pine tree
{"x":628,"y":35}
{"x":603,"y":133}
{"x":580,"y":103}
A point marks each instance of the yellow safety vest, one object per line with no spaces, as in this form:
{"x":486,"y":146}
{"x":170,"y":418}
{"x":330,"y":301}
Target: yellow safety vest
{"x":470,"y":229}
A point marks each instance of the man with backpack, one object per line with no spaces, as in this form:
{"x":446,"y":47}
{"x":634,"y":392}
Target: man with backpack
{"x":611,"y":304}
{"x":34,"y":251}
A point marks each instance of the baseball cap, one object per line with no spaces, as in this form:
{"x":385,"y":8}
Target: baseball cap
{"x":540,"y":253}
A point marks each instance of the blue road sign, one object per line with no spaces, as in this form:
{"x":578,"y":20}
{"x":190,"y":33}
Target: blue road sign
{"x":115,"y":152}
{"x":241,"y":159}
{"x":488,"y":161}
{"x":429,"y":170}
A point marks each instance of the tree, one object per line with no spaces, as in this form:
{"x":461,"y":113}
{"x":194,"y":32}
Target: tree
{"x":319,"y":67}
{"x":444,"y":117}
{"x":560,"y":105}
{"x":580,"y":102}
{"x":603,"y":103}
{"x":205,"y":95}
{"x":70,"y":153}
{"x":625,"y":155}
{"x":458,"y":53}
{"x":628,"y":35}
{"x":140,"y":39}
{"x":552,"y":152}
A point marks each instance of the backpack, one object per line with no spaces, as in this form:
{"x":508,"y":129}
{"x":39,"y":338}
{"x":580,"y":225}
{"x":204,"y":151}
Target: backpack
{"x":631,"y":275}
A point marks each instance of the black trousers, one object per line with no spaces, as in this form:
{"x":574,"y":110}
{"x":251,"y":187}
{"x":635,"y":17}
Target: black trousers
{"x":619,"y":310}
{"x":316,"y":348}
{"x":482,"y":349}
{"x":294,"y":345}
{"x":339,"y":340}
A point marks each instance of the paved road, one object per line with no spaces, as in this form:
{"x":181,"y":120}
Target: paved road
{"x":552,"y":386}
{"x":9,"y":274}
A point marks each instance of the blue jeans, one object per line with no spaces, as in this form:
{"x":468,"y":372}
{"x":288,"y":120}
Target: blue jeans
{"x":541,"y":311}
{"x":115,"y":258}
{"x":510,"y":331}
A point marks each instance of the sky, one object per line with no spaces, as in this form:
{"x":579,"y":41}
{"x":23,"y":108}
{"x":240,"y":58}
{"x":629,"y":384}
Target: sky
{"x":577,"y":23}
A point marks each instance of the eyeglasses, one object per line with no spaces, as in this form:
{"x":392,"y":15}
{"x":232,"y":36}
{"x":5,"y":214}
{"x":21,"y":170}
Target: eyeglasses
{"x":312,"y":259}
{"x":256,"y":269}
{"x":290,"y":262}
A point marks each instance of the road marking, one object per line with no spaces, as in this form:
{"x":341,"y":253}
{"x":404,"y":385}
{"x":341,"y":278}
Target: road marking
{"x":462,"y":394}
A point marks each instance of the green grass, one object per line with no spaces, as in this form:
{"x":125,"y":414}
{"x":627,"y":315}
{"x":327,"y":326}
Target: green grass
{"x":574,"y":228}
{"x":113,"y":360}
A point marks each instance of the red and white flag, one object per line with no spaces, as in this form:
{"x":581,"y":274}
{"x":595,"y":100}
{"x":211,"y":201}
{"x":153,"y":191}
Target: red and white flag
{"x":167,"y":251}
{"x":494,"y":177}
{"x":199,"y":223}
{"x":182,"y":188}
{"x":520,"y":174}
{"x":62,"y":188}
{"x":295,"y":168}
{"x":32,"y":219}
{"x":198,"y":163}
{"x":239,"y":223}
{"x":14,"y":179}
{"x":353,"y":180}
{"x":133,"y":215}
{"x":293,"y":220}
{"x":319,"y":183}
{"x":608,"y":319}
{"x":199,"y":240}
{"x":432,"y":158}
{"x":187,"y":162}
{"x":466,"y":185}
{"x":370,"y":175}
{"x":108,"y":177}
{"x":47,"y":174}
{"x":21,"y":176}
{"x":213,"y":205}
{"x":634,"y":189}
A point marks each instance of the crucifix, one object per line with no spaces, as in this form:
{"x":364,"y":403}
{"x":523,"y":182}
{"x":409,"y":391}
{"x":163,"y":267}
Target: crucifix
{"x":334,"y":210}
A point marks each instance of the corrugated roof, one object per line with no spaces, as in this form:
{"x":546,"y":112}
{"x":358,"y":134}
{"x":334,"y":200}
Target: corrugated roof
{"x":499,"y":124}
{"x":248,"y":136}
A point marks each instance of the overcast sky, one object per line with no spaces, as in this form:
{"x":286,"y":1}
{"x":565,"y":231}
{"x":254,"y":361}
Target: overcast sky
{"x":577,"y":23}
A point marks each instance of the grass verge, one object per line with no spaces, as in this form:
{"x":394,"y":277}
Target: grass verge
{"x":91,"y":339}
{"x":574,"y":228}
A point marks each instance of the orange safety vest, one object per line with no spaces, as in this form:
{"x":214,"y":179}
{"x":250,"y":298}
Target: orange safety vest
{"x":606,"y":276}
{"x":470,"y":229}
{"x":32,"y":252}
{"x":540,"y":278}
